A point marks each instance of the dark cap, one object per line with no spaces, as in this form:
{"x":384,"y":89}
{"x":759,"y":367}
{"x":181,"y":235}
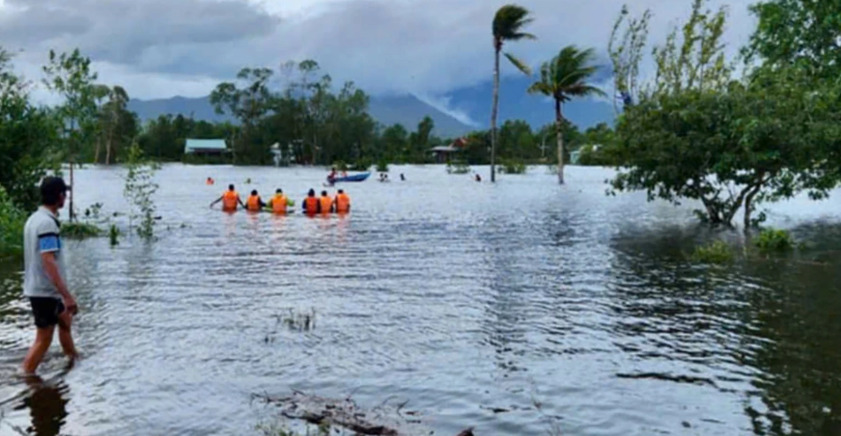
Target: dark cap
{"x":51,"y":188}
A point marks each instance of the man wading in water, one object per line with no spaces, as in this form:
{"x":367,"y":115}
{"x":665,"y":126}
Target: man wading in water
{"x":44,"y":281}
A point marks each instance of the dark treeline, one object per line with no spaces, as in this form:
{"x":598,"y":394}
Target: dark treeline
{"x":314,"y":122}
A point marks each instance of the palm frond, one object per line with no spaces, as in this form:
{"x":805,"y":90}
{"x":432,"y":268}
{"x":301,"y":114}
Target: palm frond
{"x":566,"y":75}
{"x":522,"y":66}
{"x":508,"y":22}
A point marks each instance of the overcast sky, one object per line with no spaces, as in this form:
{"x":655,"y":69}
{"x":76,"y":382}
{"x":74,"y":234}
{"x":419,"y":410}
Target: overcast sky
{"x":161,"y":48}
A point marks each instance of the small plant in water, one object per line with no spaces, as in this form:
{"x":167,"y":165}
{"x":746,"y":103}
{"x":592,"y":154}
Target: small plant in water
{"x":382,"y":166}
{"x":139,"y":190}
{"x":773,"y":240}
{"x":114,"y":235}
{"x":716,"y":252}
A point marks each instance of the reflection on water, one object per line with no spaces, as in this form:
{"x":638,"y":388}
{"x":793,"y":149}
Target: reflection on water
{"x":508,"y":307}
{"x":47,"y":406}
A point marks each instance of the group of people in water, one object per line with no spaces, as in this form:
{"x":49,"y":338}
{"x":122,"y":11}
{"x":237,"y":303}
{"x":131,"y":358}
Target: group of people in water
{"x":279,"y":204}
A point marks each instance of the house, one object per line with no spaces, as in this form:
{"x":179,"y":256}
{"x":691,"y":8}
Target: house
{"x":206,"y":147}
{"x":443,"y":153}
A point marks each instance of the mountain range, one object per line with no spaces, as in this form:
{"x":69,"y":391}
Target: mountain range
{"x":455,"y":114}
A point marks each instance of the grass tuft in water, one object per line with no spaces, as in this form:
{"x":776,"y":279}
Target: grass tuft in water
{"x":774,"y":241}
{"x":717,"y":253}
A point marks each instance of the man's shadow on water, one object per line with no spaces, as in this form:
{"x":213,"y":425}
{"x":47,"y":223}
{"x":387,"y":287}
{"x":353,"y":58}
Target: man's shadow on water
{"x":47,"y":404}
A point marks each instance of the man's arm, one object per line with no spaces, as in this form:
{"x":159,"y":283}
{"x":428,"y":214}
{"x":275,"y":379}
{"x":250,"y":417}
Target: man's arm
{"x":217,"y":200}
{"x":239,"y":200}
{"x":51,"y":269}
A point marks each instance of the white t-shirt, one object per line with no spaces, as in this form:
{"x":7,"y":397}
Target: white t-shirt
{"x":41,"y":234}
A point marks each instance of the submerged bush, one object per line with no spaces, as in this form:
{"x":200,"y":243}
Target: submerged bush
{"x":79,"y":230}
{"x":716,"y":252}
{"x":773,"y":240}
{"x":458,"y":167}
{"x":511,"y":166}
{"x":382,"y":166}
{"x":114,"y":235}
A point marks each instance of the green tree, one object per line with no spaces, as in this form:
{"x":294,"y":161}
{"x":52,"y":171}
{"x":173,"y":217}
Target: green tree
{"x":563,"y":78}
{"x":248,"y":103}
{"x":420,"y":141}
{"x":27,"y":135}
{"x":626,"y":53}
{"x":508,"y":25}
{"x":395,"y":140}
{"x":117,"y":125}
{"x":696,"y":134}
{"x":799,"y":33}
{"x":70,"y":76}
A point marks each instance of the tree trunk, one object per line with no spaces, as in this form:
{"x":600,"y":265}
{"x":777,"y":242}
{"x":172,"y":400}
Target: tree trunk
{"x":749,"y":206}
{"x":72,"y":215}
{"x":559,"y":121}
{"x":494,"y":112}
{"x":96,"y":152}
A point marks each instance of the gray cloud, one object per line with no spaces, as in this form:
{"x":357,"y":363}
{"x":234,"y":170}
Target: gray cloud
{"x":427,"y":47}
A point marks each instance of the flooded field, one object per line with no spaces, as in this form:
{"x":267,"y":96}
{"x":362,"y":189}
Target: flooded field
{"x":515,"y":308}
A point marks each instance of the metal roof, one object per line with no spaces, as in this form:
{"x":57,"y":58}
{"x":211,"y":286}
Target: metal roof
{"x":205,"y":144}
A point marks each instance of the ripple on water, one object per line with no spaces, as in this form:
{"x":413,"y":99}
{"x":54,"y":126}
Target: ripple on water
{"x":515,"y":308}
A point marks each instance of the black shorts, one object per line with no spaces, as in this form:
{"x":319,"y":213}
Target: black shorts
{"x":46,"y":311}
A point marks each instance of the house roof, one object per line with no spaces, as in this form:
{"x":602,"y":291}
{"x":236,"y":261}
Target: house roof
{"x":444,"y":148}
{"x":205,"y":144}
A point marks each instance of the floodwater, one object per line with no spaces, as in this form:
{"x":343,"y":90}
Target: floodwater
{"x":516,"y":308}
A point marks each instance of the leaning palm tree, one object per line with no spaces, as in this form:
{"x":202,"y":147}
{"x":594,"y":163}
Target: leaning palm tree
{"x":507,"y":26}
{"x":562,"y":78}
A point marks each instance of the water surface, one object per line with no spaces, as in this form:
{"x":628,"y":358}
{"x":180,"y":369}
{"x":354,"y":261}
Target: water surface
{"x":507,"y":307}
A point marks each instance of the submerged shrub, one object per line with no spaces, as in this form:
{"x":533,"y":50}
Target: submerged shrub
{"x":773,"y":240}
{"x":458,"y":167}
{"x":512,"y":166}
{"x":717,"y":252}
{"x":79,"y":230}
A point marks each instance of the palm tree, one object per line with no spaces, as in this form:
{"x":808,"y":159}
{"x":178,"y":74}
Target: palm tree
{"x":562,"y":78}
{"x":507,"y":26}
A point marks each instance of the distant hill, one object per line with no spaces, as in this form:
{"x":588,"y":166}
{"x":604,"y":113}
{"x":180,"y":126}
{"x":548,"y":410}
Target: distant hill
{"x":407,"y":110}
{"x":515,"y":103}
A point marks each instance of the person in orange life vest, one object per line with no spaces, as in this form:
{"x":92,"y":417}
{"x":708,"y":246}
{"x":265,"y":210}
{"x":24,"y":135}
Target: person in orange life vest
{"x":342,"y":202}
{"x":229,"y":200}
{"x":311,"y":204}
{"x":209,"y":181}
{"x":279,"y":202}
{"x":254,"y":202}
{"x":325,"y":203}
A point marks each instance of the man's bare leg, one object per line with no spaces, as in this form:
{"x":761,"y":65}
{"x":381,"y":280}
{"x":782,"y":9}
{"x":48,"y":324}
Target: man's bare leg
{"x":43,"y":339}
{"x":65,"y":320}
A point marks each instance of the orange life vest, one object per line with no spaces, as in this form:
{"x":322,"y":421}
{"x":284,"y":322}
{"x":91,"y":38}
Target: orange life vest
{"x":342,"y":203}
{"x":279,"y":203}
{"x":253,"y":203}
{"x":229,"y":200}
{"x":311,"y":204}
{"x":326,"y":204}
